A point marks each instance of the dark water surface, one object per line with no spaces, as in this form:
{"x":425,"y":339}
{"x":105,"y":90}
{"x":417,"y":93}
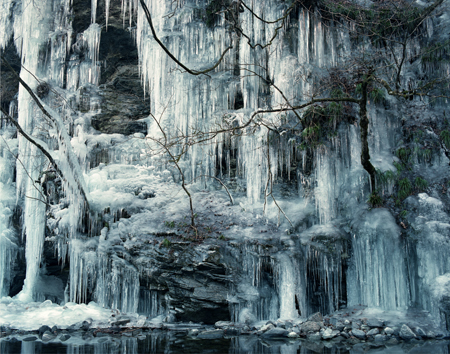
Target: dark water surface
{"x":169,"y":343}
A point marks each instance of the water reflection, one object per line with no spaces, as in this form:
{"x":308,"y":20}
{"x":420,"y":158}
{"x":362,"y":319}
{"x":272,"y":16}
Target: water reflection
{"x":174,"y":343}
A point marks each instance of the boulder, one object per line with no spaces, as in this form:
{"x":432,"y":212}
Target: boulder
{"x":64,"y":337}
{"x":315,"y":317}
{"x":44,"y":329}
{"x":381,"y":338}
{"x":310,"y":326}
{"x":406,"y":333}
{"x":223,"y":324}
{"x":276,"y":333}
{"x":329,"y":333}
{"x":373,"y":322}
{"x":358,"y":334}
{"x":389,"y":331}
{"x":373,"y":332}
{"x":48,"y":336}
{"x":29,"y":339}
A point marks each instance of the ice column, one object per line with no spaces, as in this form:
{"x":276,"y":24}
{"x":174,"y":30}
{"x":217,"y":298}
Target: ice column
{"x":287,"y":287}
{"x":377,"y":275}
{"x":33,"y":29}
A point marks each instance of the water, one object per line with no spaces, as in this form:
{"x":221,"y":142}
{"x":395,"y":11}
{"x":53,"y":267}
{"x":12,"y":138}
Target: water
{"x":172,"y":343}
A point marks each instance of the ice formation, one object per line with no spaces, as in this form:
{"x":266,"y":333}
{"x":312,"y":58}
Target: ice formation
{"x":309,"y":273}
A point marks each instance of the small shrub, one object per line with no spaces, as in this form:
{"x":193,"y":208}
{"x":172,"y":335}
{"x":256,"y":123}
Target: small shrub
{"x":399,"y":167}
{"x":425,"y":154}
{"x":404,"y":188}
{"x":403,"y":214}
{"x":170,"y":224}
{"x":404,"y":155}
{"x":377,"y":95}
{"x":420,"y":184}
{"x":166,"y":243}
{"x":375,"y":200}
{"x":445,"y":137}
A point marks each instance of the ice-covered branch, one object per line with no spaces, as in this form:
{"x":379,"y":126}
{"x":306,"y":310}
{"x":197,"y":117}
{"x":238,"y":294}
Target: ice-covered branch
{"x":192,"y":72}
{"x":63,"y":139}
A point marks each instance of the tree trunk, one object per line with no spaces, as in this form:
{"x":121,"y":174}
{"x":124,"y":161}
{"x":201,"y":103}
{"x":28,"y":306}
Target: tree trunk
{"x":364,"y":127}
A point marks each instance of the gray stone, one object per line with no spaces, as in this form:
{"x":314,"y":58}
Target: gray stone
{"x":64,"y":337}
{"x":358,"y":334}
{"x":86,"y":324}
{"x":316,"y":317}
{"x":121,"y":322}
{"x":380,"y":338}
{"x":44,"y":329}
{"x":329,"y":333}
{"x":29,"y":339}
{"x":430,"y":335}
{"x":339,"y":326}
{"x":193,"y":332}
{"x":266,"y":328}
{"x":373,"y":322}
{"x":345,"y":335}
{"x":406,"y":333}
{"x":293,"y":335}
{"x":421,"y":332}
{"x":356,"y":325}
{"x":373,"y":332}
{"x":310,"y":326}
{"x":276,"y":333}
{"x":48,"y":336}
{"x":223,"y":324}
{"x":213,"y":334}
{"x":389,"y":331}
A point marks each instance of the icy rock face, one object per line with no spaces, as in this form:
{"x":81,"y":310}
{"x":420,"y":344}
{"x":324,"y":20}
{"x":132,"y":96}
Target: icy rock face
{"x":378,"y":274}
{"x":430,"y":263}
{"x":107,"y":74}
{"x":8,"y":238}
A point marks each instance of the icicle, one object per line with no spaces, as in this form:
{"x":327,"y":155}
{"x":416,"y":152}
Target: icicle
{"x":90,"y":71}
{"x":93,"y":11}
{"x":107,"y":4}
{"x":5,"y":22}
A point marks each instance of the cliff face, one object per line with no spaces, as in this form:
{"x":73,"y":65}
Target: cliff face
{"x":285,"y":233}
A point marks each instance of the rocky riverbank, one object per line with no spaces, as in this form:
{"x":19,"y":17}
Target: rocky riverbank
{"x":340,"y":328}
